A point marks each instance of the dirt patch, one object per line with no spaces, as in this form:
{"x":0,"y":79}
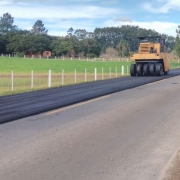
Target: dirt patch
{"x":173,"y":172}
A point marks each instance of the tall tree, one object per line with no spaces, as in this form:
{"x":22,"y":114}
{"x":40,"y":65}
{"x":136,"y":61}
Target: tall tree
{"x":33,"y":43}
{"x":39,"y":28}
{"x":123,"y":48}
{"x":6,"y":24}
{"x":70,"y":32}
{"x":90,"y":46}
{"x":80,"y":34}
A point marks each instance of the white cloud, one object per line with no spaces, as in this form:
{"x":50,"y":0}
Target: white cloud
{"x":123,"y":19}
{"x":56,"y":1}
{"x":161,"y":27}
{"x":58,"y":18}
{"x":59,"y":27}
{"x":162,"y":6}
{"x":4,"y":2}
{"x":58,"y":12}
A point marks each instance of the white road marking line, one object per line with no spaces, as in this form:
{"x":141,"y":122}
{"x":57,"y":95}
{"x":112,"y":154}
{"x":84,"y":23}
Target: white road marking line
{"x":75,"y":105}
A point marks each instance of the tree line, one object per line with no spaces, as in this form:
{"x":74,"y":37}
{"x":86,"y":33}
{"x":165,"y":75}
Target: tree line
{"x":119,"y":40}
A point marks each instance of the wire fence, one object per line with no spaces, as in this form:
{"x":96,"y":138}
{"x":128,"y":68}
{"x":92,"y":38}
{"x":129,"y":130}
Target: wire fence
{"x":21,"y":82}
{"x":103,"y":58}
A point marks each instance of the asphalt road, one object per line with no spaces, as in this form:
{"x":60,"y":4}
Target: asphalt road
{"x":27,"y":104}
{"x":128,"y":135}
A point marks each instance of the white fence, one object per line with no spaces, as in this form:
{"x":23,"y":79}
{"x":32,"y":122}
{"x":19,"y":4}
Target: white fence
{"x":24,"y":82}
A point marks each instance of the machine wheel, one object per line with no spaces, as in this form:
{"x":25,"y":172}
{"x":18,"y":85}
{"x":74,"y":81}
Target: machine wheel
{"x":152,"y":69}
{"x":159,"y":69}
{"x":146,"y":69}
{"x":139,"y":69}
{"x":133,"y":70}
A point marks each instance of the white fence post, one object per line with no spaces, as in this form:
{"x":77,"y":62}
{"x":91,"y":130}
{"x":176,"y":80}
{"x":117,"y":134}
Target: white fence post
{"x":75,"y":76}
{"x":49,"y":79}
{"x":102,"y":73}
{"x":12,"y":81}
{"x":63,"y":77}
{"x":85,"y":76}
{"x":55,"y":57}
{"x":122,"y":71}
{"x":9,"y":55}
{"x":32,"y":79}
{"x":116,"y":71}
{"x":24,"y":56}
{"x":95,"y":74}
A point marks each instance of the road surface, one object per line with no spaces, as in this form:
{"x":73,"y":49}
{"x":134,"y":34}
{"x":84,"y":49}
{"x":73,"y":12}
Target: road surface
{"x":128,"y":135}
{"x":32,"y":103}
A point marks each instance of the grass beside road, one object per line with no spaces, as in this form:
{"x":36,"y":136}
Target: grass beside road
{"x":42,"y":65}
{"x":22,"y":72}
{"x":21,"y":65}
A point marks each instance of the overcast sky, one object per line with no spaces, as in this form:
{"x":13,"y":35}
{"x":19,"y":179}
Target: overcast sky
{"x":59,"y":15}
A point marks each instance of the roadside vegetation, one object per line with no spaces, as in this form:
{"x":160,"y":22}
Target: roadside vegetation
{"x":74,"y":57}
{"x":63,"y":72}
{"x":102,"y":42}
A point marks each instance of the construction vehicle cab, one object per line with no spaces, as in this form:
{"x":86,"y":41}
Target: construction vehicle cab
{"x":151,"y":59}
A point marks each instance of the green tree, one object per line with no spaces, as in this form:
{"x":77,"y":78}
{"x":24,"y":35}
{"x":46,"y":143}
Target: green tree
{"x":111,"y":36}
{"x":123,"y":48}
{"x":65,"y":46}
{"x":39,"y":28}
{"x":80,"y":34}
{"x":70,"y":32}
{"x":33,"y":43}
{"x":90,"y":46}
{"x":6,"y":24}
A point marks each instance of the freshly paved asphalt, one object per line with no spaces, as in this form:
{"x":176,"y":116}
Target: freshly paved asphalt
{"x":27,"y":104}
{"x":128,"y":135}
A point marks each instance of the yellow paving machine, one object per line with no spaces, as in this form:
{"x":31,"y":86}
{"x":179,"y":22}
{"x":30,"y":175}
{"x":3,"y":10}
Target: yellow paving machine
{"x":151,"y":59}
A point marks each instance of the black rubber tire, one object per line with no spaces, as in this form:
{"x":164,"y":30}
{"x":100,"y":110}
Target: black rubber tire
{"x":152,"y":69}
{"x":140,"y":69}
{"x":159,"y":69}
{"x":133,"y":70}
{"x":146,"y":69}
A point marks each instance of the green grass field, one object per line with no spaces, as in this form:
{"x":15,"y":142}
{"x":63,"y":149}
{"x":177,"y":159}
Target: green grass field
{"x":41,"y":65}
{"x":22,"y":72}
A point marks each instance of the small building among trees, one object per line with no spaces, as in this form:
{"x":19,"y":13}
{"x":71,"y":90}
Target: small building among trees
{"x":45,"y":54}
